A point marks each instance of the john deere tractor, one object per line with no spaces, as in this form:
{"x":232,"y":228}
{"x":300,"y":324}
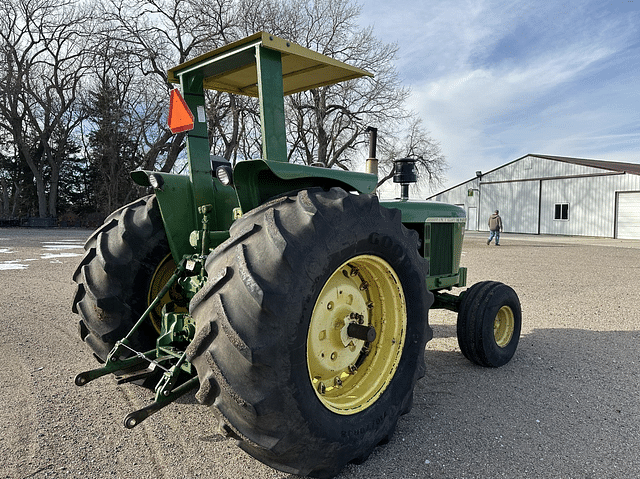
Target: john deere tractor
{"x":289,"y":296}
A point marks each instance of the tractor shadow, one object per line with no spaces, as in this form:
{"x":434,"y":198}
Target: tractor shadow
{"x":566,"y":405}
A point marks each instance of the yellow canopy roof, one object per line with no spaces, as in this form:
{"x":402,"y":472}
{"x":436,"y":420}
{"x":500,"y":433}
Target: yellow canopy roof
{"x":232,"y":68}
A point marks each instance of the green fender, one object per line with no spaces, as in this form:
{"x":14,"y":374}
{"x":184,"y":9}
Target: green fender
{"x":179,"y":204}
{"x":255,"y":182}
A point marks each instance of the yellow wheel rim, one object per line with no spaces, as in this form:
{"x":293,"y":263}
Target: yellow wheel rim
{"x":503,"y":326}
{"x":160,"y":277}
{"x":349,"y":374}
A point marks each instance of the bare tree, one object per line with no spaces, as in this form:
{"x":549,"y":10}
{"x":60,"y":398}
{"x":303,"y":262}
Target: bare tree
{"x":327,"y":125}
{"x":10,"y":187}
{"x":157,"y":35}
{"x":234,"y":128}
{"x":41,"y":68}
{"x":416,"y":143}
{"x":48,"y":47}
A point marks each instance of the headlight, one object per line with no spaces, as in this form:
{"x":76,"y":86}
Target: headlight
{"x":225,"y":175}
{"x":156,"y":180}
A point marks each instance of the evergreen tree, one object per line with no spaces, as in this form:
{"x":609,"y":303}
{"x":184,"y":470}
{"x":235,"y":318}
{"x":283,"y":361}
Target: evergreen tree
{"x":113,"y":153}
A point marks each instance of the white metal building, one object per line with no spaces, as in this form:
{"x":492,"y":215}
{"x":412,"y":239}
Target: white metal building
{"x":541,"y":194}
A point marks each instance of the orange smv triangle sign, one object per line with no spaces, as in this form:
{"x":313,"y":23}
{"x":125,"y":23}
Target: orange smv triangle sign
{"x":180,"y":117}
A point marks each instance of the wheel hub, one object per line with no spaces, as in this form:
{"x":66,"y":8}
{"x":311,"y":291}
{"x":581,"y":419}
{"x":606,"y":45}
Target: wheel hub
{"x":356,"y":334}
{"x":160,"y":277}
{"x":503,"y":326}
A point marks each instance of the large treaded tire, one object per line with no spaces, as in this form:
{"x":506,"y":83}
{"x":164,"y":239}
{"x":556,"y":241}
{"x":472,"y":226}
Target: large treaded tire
{"x":489,"y":324}
{"x":253,"y":319}
{"x":114,"y":276}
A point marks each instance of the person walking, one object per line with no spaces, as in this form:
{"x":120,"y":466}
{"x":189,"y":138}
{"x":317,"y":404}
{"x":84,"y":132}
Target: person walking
{"x":495,"y":226}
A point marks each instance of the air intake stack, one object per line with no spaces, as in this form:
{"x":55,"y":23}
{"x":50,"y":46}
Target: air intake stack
{"x":405,"y":174}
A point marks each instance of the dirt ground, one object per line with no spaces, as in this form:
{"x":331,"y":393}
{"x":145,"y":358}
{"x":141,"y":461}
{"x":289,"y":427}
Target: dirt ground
{"x":566,"y":406}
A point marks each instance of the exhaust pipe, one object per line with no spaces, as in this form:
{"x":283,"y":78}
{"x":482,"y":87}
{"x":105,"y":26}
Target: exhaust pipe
{"x":372,"y":161}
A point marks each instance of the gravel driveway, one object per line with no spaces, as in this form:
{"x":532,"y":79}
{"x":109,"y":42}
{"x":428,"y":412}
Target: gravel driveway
{"x":567,"y":405}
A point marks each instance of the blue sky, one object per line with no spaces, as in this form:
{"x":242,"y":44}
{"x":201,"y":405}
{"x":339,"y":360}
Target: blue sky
{"x":496,"y":80}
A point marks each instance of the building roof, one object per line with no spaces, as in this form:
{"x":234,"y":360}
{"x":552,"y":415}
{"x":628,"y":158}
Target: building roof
{"x":617,"y":166}
{"x":632,"y":168}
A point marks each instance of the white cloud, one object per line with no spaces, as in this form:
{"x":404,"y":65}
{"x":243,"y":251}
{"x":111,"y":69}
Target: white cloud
{"x":495,"y":80}
{"x":461,"y":107}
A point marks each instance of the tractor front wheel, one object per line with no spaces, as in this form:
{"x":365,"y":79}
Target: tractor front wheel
{"x":311,"y":330}
{"x":489,"y":323}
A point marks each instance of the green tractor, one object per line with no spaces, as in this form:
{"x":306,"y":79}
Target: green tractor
{"x":292,"y":298}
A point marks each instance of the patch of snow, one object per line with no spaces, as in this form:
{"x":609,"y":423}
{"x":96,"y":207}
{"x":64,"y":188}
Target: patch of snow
{"x":6,"y":265}
{"x":60,"y":245}
{"x":59,"y":255}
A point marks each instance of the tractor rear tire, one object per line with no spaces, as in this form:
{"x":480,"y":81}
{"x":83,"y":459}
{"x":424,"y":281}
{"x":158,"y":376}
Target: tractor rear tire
{"x":489,"y":324}
{"x":288,"y":376}
{"x":115,"y":276}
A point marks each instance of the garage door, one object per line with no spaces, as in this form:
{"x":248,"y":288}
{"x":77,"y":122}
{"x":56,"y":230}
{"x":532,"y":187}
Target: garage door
{"x":628,"y":215}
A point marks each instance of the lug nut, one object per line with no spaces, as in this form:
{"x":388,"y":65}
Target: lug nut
{"x":322,"y":388}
